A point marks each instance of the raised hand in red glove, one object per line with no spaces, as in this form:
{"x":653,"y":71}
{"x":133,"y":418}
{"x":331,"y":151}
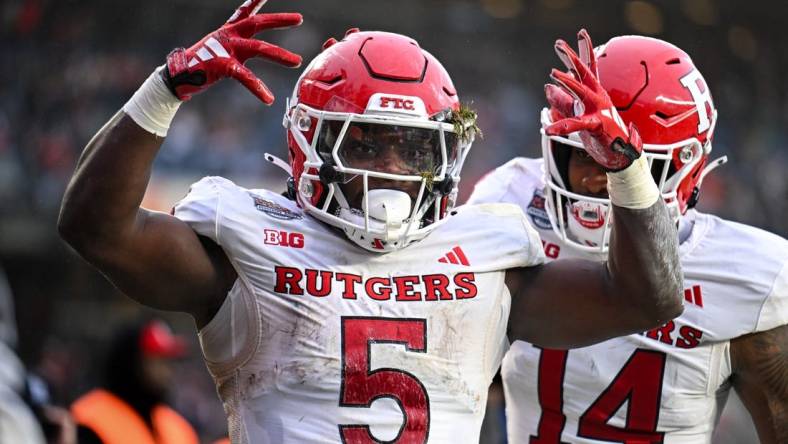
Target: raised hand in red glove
{"x":583,"y":105}
{"x":223,"y":53}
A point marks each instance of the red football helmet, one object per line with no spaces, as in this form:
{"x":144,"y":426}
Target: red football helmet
{"x":656,"y":86}
{"x":375,"y":107}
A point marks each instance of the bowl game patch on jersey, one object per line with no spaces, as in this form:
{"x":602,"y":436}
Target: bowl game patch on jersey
{"x":273,"y":209}
{"x":536,"y":211}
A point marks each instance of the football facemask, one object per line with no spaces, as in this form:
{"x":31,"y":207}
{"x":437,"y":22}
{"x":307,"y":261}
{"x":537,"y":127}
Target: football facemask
{"x":584,"y":222}
{"x":385,"y":176}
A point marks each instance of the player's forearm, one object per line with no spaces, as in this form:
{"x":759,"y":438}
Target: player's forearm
{"x":760,"y":377}
{"x":779,"y":422}
{"x":103,"y":197}
{"x":644,"y":264}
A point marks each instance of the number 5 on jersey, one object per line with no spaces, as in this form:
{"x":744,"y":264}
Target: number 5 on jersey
{"x":361,"y":385}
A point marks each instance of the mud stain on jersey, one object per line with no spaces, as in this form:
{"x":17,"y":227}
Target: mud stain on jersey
{"x":593,"y":368}
{"x":256,"y":383}
{"x":444,"y":368}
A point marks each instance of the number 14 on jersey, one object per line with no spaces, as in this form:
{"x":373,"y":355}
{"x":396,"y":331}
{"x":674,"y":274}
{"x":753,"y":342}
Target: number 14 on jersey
{"x":639,"y":383}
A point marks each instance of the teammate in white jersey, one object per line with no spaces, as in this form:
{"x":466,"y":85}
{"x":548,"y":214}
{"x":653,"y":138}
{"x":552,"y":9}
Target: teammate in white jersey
{"x":361,"y":307}
{"x":668,"y":384}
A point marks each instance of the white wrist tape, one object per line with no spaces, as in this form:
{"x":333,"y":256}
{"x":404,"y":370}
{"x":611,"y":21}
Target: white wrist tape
{"x":633,"y":187}
{"x":153,"y":106}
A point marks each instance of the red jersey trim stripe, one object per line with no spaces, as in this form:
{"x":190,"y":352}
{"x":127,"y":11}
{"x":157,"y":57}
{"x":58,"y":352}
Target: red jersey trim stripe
{"x":693,"y":295}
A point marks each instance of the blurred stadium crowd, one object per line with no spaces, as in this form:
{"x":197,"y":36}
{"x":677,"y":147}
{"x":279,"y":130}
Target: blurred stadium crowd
{"x":67,"y":66}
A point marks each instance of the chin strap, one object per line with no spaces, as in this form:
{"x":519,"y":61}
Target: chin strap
{"x":693,"y":200}
{"x":279,"y":162}
{"x":291,"y":192}
{"x":718,"y":162}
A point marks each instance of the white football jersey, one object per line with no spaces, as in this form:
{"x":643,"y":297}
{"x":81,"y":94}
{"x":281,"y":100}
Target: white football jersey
{"x":665,"y":385}
{"x":322,"y":341}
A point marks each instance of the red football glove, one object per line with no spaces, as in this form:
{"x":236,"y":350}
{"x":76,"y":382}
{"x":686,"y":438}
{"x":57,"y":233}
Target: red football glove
{"x":604,"y":135}
{"x":223,"y":52}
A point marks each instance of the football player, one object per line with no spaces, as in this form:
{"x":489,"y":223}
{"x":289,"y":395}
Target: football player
{"x":667,"y":384}
{"x":360,"y":307}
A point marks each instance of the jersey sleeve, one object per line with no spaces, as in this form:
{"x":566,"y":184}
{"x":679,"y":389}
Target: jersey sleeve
{"x":774,"y":311}
{"x":504,"y":237}
{"x":490,"y":188}
{"x":513,"y":182}
{"x":200,"y":208}
{"x":535,"y":251}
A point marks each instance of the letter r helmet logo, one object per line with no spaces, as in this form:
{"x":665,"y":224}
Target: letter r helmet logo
{"x":692,"y":82}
